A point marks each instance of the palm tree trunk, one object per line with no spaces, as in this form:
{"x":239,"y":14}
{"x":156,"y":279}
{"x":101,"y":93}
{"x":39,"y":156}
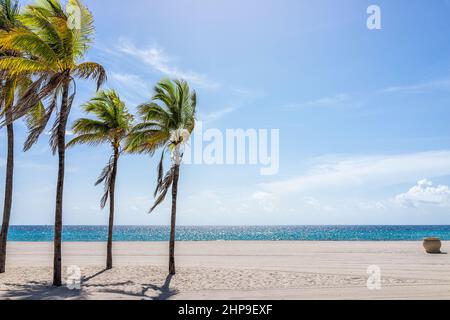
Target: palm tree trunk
{"x":112,"y":187}
{"x":8,"y":189}
{"x":57,"y":265}
{"x":173,"y":219}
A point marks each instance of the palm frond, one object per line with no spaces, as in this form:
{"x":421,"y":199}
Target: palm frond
{"x":82,"y":34}
{"x":17,"y":65}
{"x":90,"y":126}
{"x":163,"y":188}
{"x":41,"y":89}
{"x":23,"y":40}
{"x":160,"y":173}
{"x":146,"y":141}
{"x":91,"y":70}
{"x":37,"y":122}
{"x":91,"y":139}
{"x":105,"y":176}
{"x":9,"y":12}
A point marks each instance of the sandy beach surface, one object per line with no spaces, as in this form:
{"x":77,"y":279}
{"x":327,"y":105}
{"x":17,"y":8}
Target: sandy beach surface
{"x":231,"y":270}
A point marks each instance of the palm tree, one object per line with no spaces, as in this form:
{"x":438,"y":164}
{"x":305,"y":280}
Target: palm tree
{"x":10,"y":87}
{"x":112,"y":125}
{"x":168,"y":121}
{"x":54,"y":46}
{"x":8,"y":20}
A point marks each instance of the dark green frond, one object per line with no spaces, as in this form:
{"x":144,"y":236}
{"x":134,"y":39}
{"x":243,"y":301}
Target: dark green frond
{"x":92,"y":139}
{"x":112,"y":120}
{"x":163,"y":188}
{"x":105,"y":177}
{"x":9,"y":12}
{"x":91,"y":70}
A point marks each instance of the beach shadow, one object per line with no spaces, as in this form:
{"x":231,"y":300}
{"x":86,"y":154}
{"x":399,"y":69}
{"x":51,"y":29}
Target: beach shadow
{"x":164,"y":292}
{"x":40,"y":291}
{"x":86,"y":279}
{"x":109,"y":284}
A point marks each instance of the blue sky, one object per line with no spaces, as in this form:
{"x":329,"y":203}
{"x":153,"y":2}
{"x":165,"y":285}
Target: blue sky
{"x":363,"y":114}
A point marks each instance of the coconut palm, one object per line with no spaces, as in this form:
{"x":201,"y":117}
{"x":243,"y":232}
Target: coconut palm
{"x":111,"y":125}
{"x":55,"y":41}
{"x":168,"y":121}
{"x":8,"y":20}
{"x":10,"y":87}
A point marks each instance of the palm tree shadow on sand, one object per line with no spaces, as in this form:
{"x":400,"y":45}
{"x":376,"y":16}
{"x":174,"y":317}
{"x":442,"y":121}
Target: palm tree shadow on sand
{"x":86,"y":279}
{"x":44,"y":291}
{"x":41,"y":291}
{"x":164,"y":292}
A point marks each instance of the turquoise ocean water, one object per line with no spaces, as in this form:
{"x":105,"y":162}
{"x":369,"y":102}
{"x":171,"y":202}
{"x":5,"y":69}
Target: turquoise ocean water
{"x":216,"y":233}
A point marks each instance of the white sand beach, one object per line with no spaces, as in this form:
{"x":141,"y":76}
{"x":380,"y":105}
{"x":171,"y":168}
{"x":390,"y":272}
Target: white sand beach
{"x":232,"y":270}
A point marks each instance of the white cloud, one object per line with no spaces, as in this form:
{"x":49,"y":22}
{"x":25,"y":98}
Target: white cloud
{"x":322,"y":102}
{"x":372,"y":205}
{"x":156,"y":58}
{"x":316,"y":204}
{"x":356,"y":171}
{"x":266,"y":201}
{"x":425,"y":193}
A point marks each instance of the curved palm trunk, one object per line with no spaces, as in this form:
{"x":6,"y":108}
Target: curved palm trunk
{"x":8,"y":190}
{"x":64,"y":112}
{"x":109,"y":263}
{"x":173,"y":219}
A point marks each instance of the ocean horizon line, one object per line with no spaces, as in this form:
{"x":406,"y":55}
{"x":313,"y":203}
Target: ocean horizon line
{"x":95,"y":233}
{"x":234,"y":225}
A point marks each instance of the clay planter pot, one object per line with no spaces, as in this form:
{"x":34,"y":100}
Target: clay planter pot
{"x":432,"y":245}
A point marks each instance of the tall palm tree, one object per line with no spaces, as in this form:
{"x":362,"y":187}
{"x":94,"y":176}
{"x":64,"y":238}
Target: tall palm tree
{"x":10,"y":87}
{"x":54,"y":46}
{"x":168,"y":121}
{"x":8,"y":20}
{"x":112,"y":125}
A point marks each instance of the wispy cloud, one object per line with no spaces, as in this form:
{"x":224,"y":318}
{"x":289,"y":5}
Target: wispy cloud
{"x":134,"y":89}
{"x":156,"y":58}
{"x":372,"y":205}
{"x":240,"y":97}
{"x":266,"y":201}
{"x":360,"y":170}
{"x":130,"y":80}
{"x":318,"y":205}
{"x":336,"y":100}
{"x":443,"y":85}
{"x":248,"y":93}
{"x":216,"y":115}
